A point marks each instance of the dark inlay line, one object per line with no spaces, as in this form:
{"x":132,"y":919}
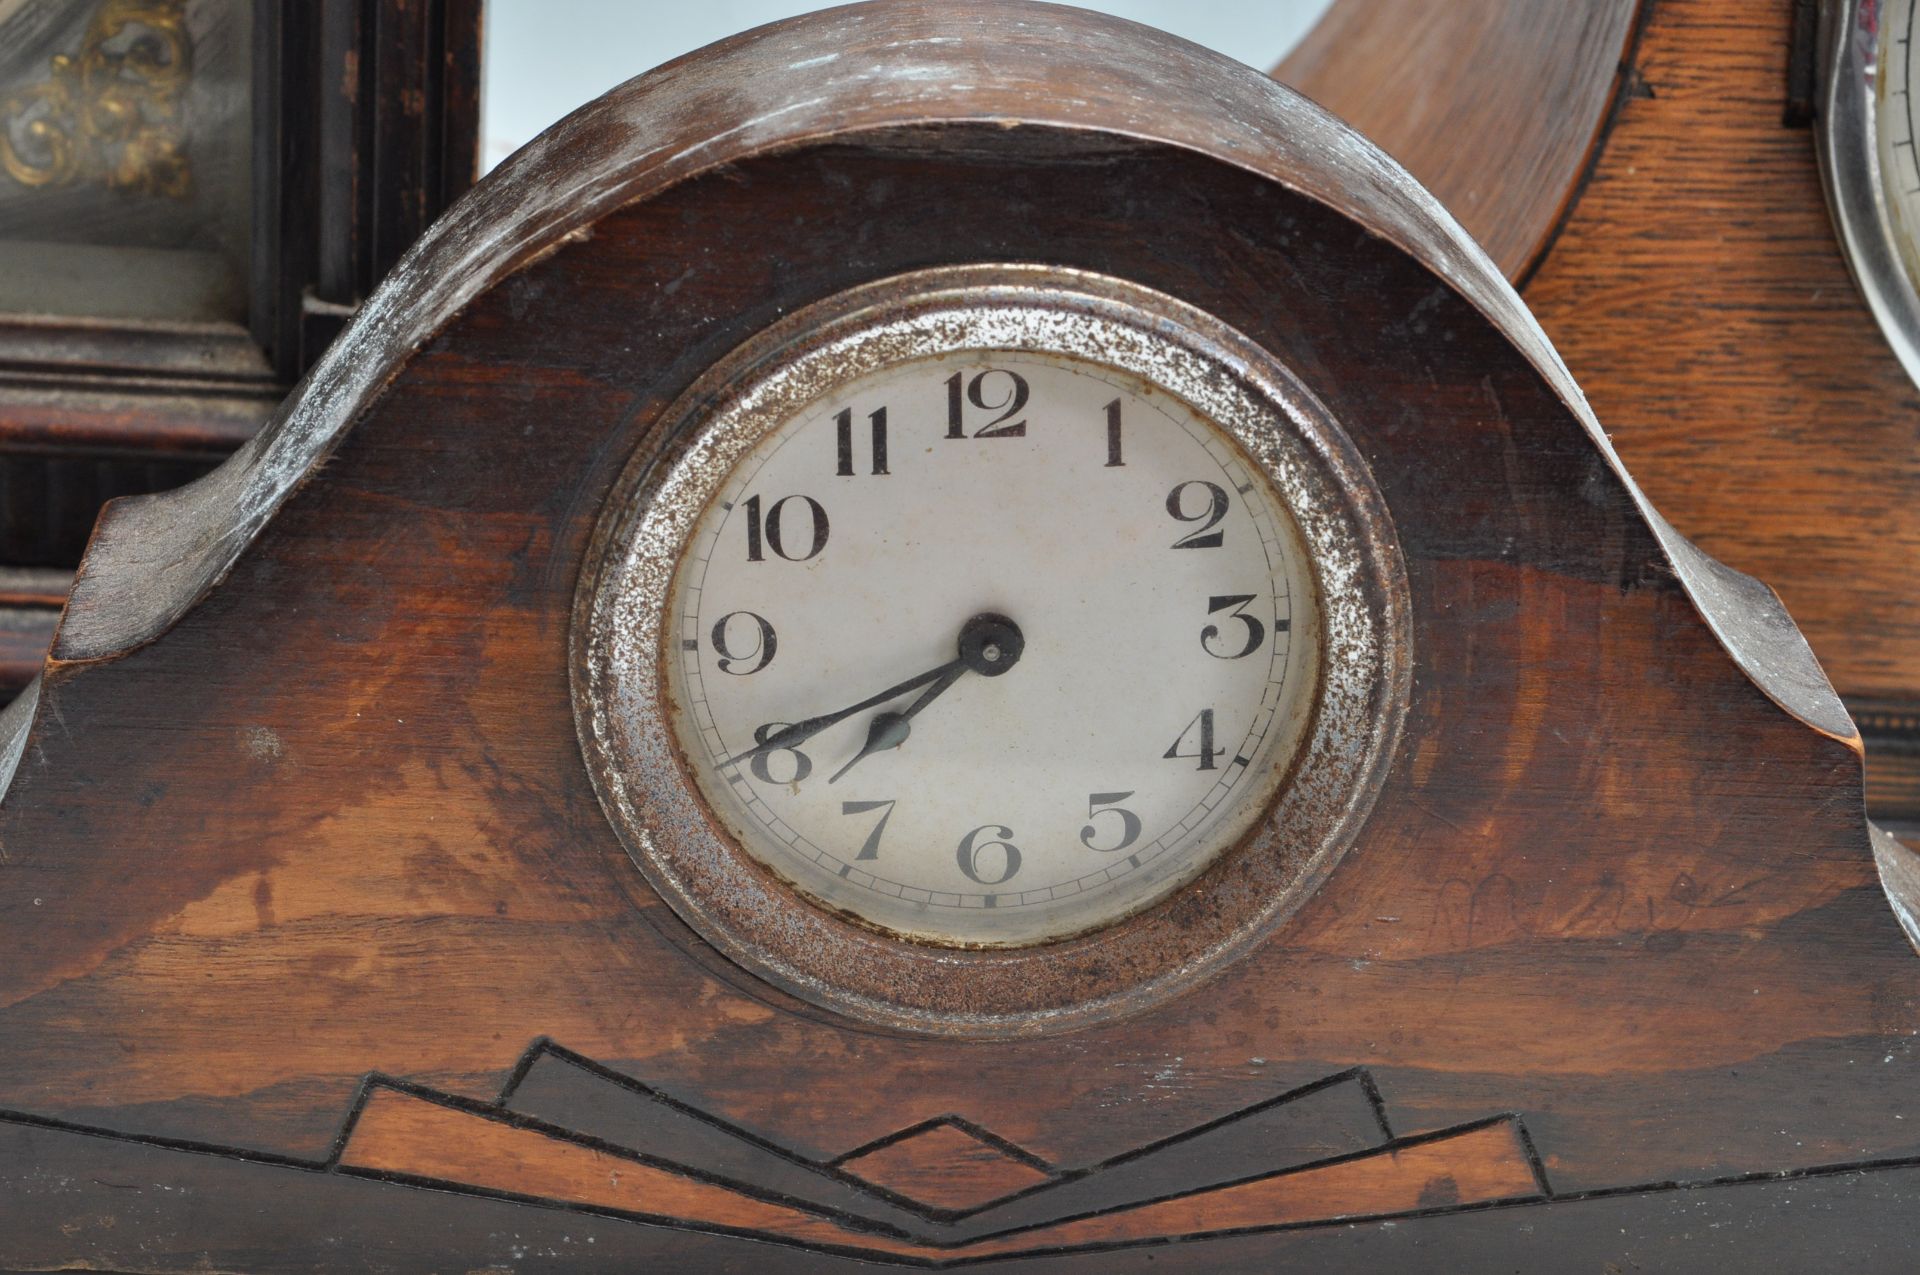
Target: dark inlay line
{"x":532,"y":1124}
{"x":267,"y":1159}
{"x":628,"y":1083}
{"x":961,"y":1123}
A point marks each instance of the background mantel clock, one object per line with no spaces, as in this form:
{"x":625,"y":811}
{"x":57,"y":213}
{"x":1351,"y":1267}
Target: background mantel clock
{"x":803,"y":686}
{"x":194,"y":195}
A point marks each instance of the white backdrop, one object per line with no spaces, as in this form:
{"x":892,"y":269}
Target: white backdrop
{"x":545,"y":57}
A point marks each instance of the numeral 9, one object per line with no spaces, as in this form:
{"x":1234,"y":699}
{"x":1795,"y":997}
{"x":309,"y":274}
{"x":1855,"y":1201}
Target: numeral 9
{"x":730,"y":658}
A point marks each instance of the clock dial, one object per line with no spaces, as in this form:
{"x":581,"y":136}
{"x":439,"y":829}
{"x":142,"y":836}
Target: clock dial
{"x":991,"y":647}
{"x":1866,"y":138}
{"x":1895,"y":131}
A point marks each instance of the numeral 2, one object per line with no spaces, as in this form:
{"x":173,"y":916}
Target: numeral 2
{"x":1209,"y":518}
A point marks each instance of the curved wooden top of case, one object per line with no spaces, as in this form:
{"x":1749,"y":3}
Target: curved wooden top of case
{"x":837,"y":74}
{"x":1497,"y":106}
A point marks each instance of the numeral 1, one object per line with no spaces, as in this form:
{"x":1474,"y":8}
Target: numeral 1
{"x":1113,"y":436}
{"x":843,"y":425}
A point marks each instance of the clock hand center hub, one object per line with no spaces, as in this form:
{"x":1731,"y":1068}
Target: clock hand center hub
{"x":990,"y":644}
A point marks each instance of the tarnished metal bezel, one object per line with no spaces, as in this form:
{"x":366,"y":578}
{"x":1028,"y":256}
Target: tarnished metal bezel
{"x":761,"y":923}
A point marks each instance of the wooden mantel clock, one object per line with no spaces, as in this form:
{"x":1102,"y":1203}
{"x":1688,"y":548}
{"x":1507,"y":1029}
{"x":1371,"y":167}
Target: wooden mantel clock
{"x":941,"y":634}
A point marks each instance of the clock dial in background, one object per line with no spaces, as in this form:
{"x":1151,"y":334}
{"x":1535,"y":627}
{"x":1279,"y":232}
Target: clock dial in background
{"x":1867,"y":139}
{"x":1162,"y":676}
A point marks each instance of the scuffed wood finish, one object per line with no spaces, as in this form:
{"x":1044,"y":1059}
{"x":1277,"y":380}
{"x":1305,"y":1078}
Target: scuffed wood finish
{"x":1474,"y":1167}
{"x":945,"y":1165}
{"x":1698,"y":293}
{"x":1689,"y":275}
{"x":301,"y":797}
{"x":417,"y":1138}
{"x":1494,"y":105}
{"x":272,"y":1217}
{"x":364,"y":119}
{"x":1692,"y":281}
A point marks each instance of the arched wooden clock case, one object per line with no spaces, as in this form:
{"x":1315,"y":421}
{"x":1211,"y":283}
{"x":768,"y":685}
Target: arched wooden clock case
{"x":331,"y":945}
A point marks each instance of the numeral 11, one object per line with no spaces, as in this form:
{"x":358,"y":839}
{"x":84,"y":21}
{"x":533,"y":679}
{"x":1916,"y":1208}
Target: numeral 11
{"x":843,"y":426}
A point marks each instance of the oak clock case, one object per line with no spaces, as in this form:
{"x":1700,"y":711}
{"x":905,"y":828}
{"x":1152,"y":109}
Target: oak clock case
{"x":1074,"y":511}
{"x":1667,"y":162}
{"x":364,"y":905}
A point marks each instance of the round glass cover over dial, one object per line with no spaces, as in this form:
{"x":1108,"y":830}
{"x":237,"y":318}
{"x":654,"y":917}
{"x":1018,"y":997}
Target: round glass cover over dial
{"x":1895,"y":130}
{"x":1869,"y":129}
{"x":990,"y":648}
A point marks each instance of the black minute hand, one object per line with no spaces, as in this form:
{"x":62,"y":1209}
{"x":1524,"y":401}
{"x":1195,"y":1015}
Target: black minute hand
{"x":801,"y":731}
{"x":988,"y":644}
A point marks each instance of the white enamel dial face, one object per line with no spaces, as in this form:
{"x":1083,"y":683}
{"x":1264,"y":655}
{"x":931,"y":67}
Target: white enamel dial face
{"x":1867,"y":137}
{"x":991,"y":648}
{"x":1894,"y":128}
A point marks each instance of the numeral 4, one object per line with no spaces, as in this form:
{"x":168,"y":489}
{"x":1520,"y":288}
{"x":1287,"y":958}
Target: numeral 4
{"x":1202,"y":726}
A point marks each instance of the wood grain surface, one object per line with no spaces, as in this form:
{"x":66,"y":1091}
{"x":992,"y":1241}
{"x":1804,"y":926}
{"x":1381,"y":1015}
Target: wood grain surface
{"x":313,"y":806}
{"x":1699,"y":294}
{"x":1495,"y":105}
{"x":1690,"y":277}
{"x":267,"y":1216}
{"x":945,"y":1165}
